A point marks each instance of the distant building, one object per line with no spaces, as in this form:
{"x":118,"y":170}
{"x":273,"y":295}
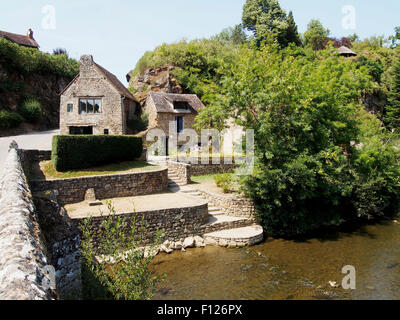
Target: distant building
{"x":181,"y":109}
{"x":346,"y":52}
{"x":96,"y":102}
{"x":25,"y":41}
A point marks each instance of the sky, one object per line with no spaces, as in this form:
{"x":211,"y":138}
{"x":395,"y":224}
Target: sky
{"x":119,"y":32}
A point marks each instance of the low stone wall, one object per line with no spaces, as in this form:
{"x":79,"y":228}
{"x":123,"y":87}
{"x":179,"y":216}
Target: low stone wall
{"x":186,"y":170}
{"x":177,"y":223}
{"x":234,"y":206}
{"x":29,"y":156}
{"x":181,"y":169}
{"x":106,"y":186}
{"x":22,"y":260}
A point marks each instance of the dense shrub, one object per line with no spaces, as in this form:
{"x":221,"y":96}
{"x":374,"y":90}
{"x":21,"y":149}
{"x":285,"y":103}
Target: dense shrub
{"x":224,"y":181}
{"x":80,"y":152}
{"x":9,"y":119}
{"x":32,"y":110}
{"x":27,"y":61}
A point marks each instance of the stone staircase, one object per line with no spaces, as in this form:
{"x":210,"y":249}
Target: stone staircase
{"x":174,"y":181}
{"x":224,"y":230}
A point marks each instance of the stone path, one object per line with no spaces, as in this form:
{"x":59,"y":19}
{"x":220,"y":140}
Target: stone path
{"x":247,"y":233}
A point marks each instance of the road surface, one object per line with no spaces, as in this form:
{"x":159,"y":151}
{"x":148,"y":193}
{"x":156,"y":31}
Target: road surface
{"x":37,"y":140}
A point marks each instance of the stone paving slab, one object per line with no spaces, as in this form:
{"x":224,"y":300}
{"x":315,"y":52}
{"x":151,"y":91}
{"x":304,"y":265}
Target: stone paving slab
{"x":159,"y":201}
{"x":240,"y":233}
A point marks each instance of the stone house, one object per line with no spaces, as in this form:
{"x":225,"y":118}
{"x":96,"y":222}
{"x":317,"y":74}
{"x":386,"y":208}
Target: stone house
{"x":25,"y":41}
{"x":96,"y":102}
{"x":164,"y":109}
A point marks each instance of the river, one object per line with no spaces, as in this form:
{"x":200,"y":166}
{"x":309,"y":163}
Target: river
{"x":287,"y":269}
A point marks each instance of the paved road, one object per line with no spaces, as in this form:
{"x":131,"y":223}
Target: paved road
{"x":37,"y":140}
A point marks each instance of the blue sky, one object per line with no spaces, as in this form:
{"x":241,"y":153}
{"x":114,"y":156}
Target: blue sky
{"x":118,"y":32}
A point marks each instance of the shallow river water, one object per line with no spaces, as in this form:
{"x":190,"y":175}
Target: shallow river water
{"x":287,"y":269}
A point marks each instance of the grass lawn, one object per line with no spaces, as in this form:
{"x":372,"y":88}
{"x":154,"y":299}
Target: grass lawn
{"x":203,"y":179}
{"x":49,"y":172}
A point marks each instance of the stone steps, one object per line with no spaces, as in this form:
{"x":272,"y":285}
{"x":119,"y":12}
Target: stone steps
{"x":174,"y":179}
{"x":238,"y":237}
{"x":218,"y":219}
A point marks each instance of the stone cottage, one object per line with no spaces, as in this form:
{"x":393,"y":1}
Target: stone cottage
{"x":25,"y":41}
{"x":96,"y":102}
{"x":180,"y":109}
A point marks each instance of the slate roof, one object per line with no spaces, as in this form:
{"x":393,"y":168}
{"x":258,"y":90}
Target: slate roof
{"x":116,"y":83}
{"x":19,"y":39}
{"x":112,"y":79}
{"x":164,"y":102}
{"x":346,"y":51}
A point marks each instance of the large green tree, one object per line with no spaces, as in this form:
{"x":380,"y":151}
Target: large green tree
{"x":316,"y":161}
{"x":267,"y":20}
{"x":393,"y":106}
{"x":316,"y":35}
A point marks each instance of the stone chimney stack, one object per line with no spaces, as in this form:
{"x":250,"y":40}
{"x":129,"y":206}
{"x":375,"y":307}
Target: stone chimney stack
{"x":30,"y":34}
{"x":86,"y":65}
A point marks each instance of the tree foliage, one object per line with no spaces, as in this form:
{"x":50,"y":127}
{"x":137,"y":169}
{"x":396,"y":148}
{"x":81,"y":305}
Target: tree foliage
{"x":267,"y":20}
{"x":316,"y":35}
{"x":306,"y":115}
{"x":393,"y":108}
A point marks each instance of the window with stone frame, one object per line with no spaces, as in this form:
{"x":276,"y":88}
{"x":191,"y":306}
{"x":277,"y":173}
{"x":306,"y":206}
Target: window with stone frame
{"x":89,"y":106}
{"x":70,"y":107}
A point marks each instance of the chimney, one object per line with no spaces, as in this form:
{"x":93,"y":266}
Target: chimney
{"x":30,"y":34}
{"x":86,"y":64}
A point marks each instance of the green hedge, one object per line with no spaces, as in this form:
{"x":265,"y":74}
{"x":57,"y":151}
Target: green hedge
{"x":85,"y":151}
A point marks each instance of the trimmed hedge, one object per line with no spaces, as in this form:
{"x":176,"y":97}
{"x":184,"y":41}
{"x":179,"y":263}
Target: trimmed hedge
{"x":85,"y":151}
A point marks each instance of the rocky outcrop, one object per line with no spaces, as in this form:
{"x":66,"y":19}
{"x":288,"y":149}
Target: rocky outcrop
{"x":15,"y":88}
{"x":154,"y":79}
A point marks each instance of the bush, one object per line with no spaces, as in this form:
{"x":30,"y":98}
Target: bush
{"x":123,"y":270}
{"x":9,"y":120}
{"x":81,"y":152}
{"x":224,"y":181}
{"x":32,"y":110}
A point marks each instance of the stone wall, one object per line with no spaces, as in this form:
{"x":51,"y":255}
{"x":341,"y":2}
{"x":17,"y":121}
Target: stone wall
{"x":177,"y":223}
{"x":232,"y":205}
{"x":187,"y":170}
{"x":106,"y":186}
{"x":22,"y":259}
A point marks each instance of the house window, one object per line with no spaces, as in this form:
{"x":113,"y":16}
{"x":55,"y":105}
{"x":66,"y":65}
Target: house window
{"x":81,"y":130}
{"x":106,"y":131}
{"x":179,"y":124}
{"x":89,"y":106}
{"x":181,"y":105}
{"x":70,"y":107}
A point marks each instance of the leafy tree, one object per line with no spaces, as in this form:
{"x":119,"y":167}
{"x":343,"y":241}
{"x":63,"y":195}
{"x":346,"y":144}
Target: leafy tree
{"x":116,"y":263}
{"x":395,"y":38}
{"x":310,"y":167}
{"x":292,"y":32}
{"x":393,"y":107}
{"x":267,"y":20}
{"x":316,"y":35}
{"x":353,"y":37}
{"x":235,"y":35}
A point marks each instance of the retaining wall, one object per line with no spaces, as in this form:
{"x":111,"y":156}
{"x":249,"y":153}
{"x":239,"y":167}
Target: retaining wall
{"x":22,"y":259}
{"x":107,"y":186}
{"x":177,"y":223}
{"x":234,"y":206}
